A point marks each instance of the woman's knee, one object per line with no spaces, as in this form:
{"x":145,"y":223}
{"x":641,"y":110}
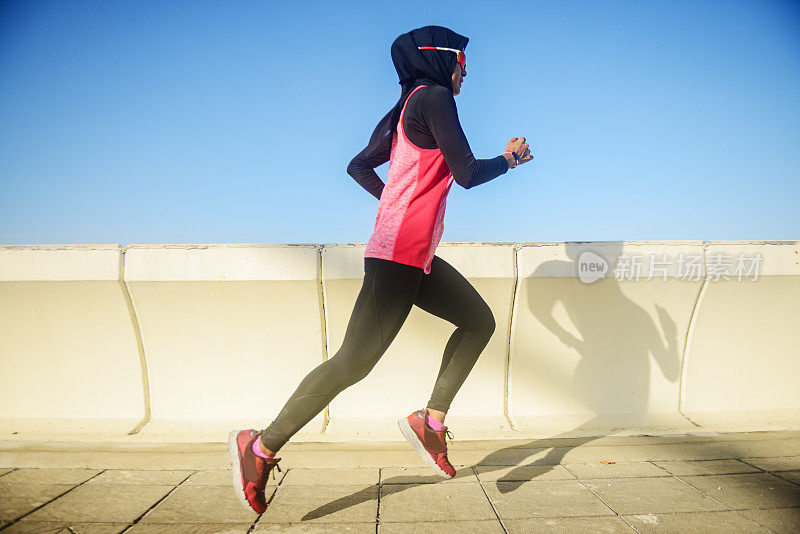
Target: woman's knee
{"x":352,"y":368}
{"x":485,"y":323}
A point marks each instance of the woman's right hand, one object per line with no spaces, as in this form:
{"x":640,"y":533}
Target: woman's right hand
{"x":518,"y":145}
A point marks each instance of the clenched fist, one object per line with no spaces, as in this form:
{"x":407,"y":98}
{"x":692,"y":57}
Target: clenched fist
{"x":518,"y":145}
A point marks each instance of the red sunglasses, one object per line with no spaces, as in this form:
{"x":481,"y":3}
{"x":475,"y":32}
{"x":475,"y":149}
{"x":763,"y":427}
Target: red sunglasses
{"x":461,"y":58}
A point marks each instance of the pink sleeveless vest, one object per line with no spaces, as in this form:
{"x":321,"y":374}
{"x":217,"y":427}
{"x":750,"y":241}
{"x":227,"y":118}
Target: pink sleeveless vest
{"x":410,"y":219}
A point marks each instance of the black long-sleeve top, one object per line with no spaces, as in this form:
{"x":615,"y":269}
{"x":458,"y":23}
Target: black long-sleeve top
{"x":430,"y":121}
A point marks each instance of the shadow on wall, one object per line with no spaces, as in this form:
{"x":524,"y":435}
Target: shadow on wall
{"x":615,"y":339}
{"x":615,"y":335}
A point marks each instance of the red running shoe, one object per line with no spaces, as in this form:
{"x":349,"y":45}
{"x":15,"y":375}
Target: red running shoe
{"x":429,"y":443}
{"x":250,"y":472}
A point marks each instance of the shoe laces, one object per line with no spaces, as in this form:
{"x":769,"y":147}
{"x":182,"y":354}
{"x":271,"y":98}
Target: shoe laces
{"x":266,"y":469}
{"x":448,"y":434}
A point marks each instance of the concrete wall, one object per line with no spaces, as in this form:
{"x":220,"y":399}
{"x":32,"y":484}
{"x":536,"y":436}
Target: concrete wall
{"x":228,"y":331}
{"x":743,"y":362}
{"x":69,"y":357}
{"x":185,"y":341}
{"x":606,"y":353}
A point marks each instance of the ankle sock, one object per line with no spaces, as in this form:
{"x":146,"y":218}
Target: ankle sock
{"x":434,"y":424}
{"x":257,"y":450}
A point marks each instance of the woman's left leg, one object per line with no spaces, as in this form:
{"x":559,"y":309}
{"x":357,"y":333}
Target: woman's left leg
{"x":445,"y":293}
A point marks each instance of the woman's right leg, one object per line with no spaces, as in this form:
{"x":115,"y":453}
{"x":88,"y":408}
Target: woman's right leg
{"x":385,"y":300}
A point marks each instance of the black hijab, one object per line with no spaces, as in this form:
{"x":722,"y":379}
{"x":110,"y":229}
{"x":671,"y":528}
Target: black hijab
{"x":420,"y":67}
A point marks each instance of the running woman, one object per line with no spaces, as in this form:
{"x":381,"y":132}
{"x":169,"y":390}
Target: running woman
{"x":422,"y":140}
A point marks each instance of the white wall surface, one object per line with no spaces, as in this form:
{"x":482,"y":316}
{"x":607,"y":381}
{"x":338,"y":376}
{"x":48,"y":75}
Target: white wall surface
{"x":68,"y":349}
{"x":600,"y":350}
{"x":185,"y":341}
{"x":745,"y":348}
{"x":228,"y":331}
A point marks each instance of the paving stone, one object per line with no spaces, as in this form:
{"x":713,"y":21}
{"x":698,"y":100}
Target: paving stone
{"x":95,"y":528}
{"x":783,"y":463}
{"x":36,"y":527}
{"x":610,"y":525}
{"x":622,"y":453}
{"x":616,"y":470}
{"x":619,"y":454}
{"x":438,"y":527}
{"x":173,"y":528}
{"x":119,"y":477}
{"x":465,"y":501}
{"x":19,"y":499}
{"x":201,"y":504}
{"x":491,"y":445}
{"x":757,"y":490}
{"x":423,"y":475}
{"x":663,"y":452}
{"x":509,"y":457}
{"x":323,"y":504}
{"x":116,"y":460}
{"x":768,"y":448}
{"x":99,"y":503}
{"x":213,"y":477}
{"x":707,"y":467}
{"x":544,"y":498}
{"x":651,"y":495}
{"x":326,"y":477}
{"x":706,"y":522}
{"x":693,"y":458}
{"x":350,"y":458}
{"x":780,"y":520}
{"x":493,"y":473}
{"x":791,"y":476}
{"x":49,"y":476}
{"x":321,"y":528}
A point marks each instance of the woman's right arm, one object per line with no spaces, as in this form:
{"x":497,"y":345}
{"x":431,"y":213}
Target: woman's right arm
{"x":362,"y":166}
{"x":441,"y":115}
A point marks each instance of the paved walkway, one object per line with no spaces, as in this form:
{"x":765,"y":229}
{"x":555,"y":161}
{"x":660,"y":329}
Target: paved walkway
{"x":738,"y":482}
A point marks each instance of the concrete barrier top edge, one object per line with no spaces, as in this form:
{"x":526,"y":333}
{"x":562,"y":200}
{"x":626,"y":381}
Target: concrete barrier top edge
{"x":221,"y":264}
{"x":442,"y":244}
{"x":60,"y":247}
{"x":473,"y":260}
{"x":59,"y":264}
{"x":772,"y":259}
{"x":101,"y":246}
{"x":301,"y":262}
{"x":697,"y":242}
{"x":209,"y":246}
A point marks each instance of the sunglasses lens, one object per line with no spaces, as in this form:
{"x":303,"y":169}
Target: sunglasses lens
{"x":462,"y":60}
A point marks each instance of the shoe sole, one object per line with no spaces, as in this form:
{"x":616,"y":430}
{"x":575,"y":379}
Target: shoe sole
{"x":413,"y":439}
{"x":236,"y":465}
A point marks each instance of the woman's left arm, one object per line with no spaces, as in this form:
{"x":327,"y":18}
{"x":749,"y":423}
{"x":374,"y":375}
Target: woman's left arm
{"x":361,"y":167}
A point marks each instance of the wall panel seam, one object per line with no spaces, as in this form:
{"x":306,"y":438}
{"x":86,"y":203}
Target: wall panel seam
{"x":687,"y":350}
{"x":326,"y":414}
{"x":511,"y":325}
{"x":137,"y":331}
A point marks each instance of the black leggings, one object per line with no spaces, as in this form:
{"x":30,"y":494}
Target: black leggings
{"x":389,"y":291}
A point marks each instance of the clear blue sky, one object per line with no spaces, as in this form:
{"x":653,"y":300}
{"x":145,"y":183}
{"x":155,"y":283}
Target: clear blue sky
{"x":234,"y":122}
